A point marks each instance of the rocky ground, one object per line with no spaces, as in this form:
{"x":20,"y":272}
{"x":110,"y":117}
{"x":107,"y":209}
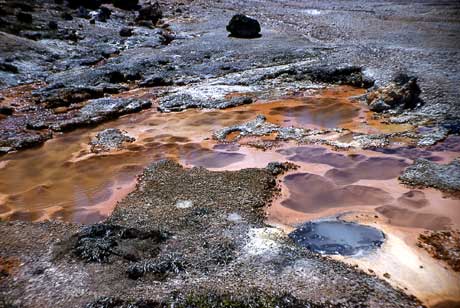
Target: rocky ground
{"x":186,"y":236}
{"x":83,"y":51}
{"x":67,"y":64}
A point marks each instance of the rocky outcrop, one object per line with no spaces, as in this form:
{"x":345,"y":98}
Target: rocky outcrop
{"x":100,"y":110}
{"x":402,"y":93}
{"x":182,"y":101}
{"x":109,"y":139}
{"x":430,"y":174}
{"x":58,"y":95}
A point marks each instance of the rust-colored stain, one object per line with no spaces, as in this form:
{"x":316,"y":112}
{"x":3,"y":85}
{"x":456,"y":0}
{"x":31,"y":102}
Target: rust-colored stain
{"x":8,"y":266}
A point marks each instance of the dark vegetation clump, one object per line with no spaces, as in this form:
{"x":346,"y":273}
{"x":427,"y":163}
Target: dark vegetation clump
{"x":443,"y":245}
{"x":101,"y":242}
{"x":210,"y":299}
{"x":160,"y":269}
{"x":277,"y":168}
{"x":110,"y":302}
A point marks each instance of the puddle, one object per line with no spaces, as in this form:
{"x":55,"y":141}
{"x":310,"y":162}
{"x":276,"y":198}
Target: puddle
{"x":64,"y":180}
{"x":320,"y":155}
{"x":373,"y":168}
{"x":312,"y":193}
{"x":338,"y":237}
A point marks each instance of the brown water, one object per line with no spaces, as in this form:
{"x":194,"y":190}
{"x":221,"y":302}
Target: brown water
{"x":63,"y":180}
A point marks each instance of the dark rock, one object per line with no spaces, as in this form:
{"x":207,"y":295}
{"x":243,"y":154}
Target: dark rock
{"x":109,"y":139}
{"x":23,"y":6}
{"x":52,"y":98}
{"x":243,"y":27}
{"x":151,"y":12}
{"x":100,"y":110}
{"x":402,"y":93}
{"x":16,"y":140}
{"x":181,"y":102}
{"x":166,"y":38}
{"x":379,"y":106}
{"x":89,"y":4}
{"x":101,"y":242}
{"x":82,"y":12}
{"x":66,"y":16}
{"x":103,"y":14}
{"x":126,"y":4}
{"x":53,"y":25}
{"x":24,"y":17}
{"x":277,"y":168}
{"x":125,"y":32}
{"x":155,"y":81}
{"x":350,"y":75}
{"x":108,"y":52}
{"x":8,"y":67}
{"x":32,"y":35}
{"x":5,"y":110}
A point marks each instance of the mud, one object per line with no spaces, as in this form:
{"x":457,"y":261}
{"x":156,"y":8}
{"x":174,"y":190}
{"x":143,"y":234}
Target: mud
{"x":337,"y":237}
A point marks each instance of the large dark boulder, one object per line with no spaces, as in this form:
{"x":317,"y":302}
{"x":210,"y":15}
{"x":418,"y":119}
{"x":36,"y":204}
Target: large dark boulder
{"x":243,"y":27}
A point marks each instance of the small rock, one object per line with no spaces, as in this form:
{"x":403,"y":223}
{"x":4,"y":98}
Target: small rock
{"x":8,"y":67}
{"x":103,"y":14}
{"x":387,"y":276}
{"x":88,"y":4}
{"x":109,"y":139}
{"x":66,"y":16}
{"x":155,"y":81}
{"x":53,"y":25}
{"x":82,"y":12}
{"x":184,"y":204}
{"x":234,"y":217}
{"x":5,"y":110}
{"x":126,"y":4}
{"x":126,"y":32}
{"x":150,"y":12}
{"x":4,"y":150}
{"x":24,"y":17}
{"x":243,"y":27}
